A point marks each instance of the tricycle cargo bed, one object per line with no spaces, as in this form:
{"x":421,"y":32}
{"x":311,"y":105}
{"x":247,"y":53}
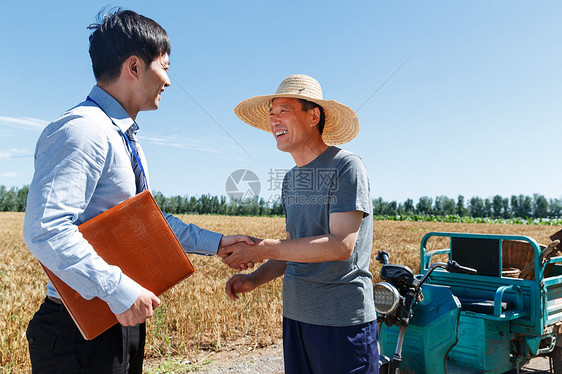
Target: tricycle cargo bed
{"x":492,"y":298}
{"x":533,"y":306}
{"x":494,"y":303}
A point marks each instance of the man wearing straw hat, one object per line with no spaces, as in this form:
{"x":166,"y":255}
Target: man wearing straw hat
{"x":328,"y":311}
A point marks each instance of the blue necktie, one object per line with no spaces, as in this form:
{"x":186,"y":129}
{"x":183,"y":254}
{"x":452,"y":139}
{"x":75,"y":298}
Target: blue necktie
{"x":140,"y":176}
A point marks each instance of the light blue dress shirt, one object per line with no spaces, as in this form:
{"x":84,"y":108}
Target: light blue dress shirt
{"x":83,"y":168}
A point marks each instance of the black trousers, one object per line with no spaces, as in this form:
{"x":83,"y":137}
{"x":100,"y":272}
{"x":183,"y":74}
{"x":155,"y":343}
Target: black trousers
{"x":56,"y":345}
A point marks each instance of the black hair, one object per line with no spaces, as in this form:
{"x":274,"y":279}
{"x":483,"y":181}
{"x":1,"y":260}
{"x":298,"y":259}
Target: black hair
{"x":121,"y":34}
{"x":308,"y":105}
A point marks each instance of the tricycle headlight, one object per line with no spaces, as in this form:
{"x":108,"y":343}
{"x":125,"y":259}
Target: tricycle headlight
{"x":386,"y":297}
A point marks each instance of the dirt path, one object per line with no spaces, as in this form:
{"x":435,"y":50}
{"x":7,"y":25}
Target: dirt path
{"x":268,"y":360}
{"x":242,"y":359}
{"x":238,"y":357}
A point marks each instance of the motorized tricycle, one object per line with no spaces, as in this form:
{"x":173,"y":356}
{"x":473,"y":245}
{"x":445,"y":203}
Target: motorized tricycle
{"x":492,"y":313}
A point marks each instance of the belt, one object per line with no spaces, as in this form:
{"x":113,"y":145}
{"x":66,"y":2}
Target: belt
{"x":55,"y":300}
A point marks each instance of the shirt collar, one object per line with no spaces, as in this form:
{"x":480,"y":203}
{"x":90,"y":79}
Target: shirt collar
{"x":113,"y":109}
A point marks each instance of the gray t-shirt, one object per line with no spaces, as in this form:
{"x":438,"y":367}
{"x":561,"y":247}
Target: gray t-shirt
{"x":334,"y":293}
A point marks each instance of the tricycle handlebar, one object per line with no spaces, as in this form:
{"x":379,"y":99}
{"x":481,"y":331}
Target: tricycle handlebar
{"x":382,"y":257}
{"x":450,"y":266}
{"x":454,"y":267}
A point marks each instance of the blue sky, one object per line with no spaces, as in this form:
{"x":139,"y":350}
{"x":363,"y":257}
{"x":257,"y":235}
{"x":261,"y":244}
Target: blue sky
{"x":453,"y":97}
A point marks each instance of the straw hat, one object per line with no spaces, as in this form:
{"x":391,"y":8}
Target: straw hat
{"x":341,"y":126}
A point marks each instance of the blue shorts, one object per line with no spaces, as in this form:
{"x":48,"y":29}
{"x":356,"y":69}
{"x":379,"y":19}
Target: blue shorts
{"x":324,"y":349}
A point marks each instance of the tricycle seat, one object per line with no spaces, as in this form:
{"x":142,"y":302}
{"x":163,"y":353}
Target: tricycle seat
{"x":482,"y":306}
{"x":500,"y":299}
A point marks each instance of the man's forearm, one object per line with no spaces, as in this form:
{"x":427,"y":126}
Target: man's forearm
{"x":313,"y":249}
{"x":194,"y":239}
{"x":307,"y":250}
{"x":338,"y":245}
{"x":269,"y":271}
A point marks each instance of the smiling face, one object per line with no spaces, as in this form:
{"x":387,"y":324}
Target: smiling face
{"x":153,"y":80}
{"x":292,"y":127}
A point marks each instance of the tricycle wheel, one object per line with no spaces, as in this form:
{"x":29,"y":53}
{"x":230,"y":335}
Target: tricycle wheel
{"x":557,"y":360}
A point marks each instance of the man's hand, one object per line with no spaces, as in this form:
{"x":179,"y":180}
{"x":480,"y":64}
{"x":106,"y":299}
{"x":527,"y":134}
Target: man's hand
{"x":232,"y":239}
{"x":239,"y":283}
{"x":226,"y":247}
{"x":141,"y":310}
{"x":241,"y":254}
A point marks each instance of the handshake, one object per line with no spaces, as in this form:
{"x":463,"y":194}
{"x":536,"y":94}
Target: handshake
{"x":241,"y":252}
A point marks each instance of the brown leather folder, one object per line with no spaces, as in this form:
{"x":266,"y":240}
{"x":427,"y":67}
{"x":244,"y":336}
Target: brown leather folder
{"x":135,"y":236}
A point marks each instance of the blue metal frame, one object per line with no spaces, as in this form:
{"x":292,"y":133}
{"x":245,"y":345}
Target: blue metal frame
{"x":427,"y":256}
{"x":538,"y":302}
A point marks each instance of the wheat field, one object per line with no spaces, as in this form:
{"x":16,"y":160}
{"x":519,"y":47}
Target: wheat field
{"x":196,"y":314}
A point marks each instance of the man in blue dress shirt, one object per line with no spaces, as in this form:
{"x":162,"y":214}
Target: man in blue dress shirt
{"x":84,"y":165}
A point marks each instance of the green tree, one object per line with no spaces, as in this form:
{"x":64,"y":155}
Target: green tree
{"x":514,"y":206}
{"x":476,"y":207}
{"x":159,"y":198}
{"x":460,"y":208}
{"x":9,"y":201}
{"x":525,"y":206}
{"x":21,"y":197}
{"x":2,"y":196}
{"x":379,"y":206}
{"x":277,"y":208}
{"x":487,"y":208}
{"x":540,"y":206}
{"x":554,"y":208}
{"x":505,"y":208}
{"x":444,"y":205}
{"x":409,"y":207}
{"x":392,"y":208}
{"x":497,"y":206}
{"x":424,"y":206}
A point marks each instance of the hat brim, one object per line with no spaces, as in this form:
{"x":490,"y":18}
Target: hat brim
{"x":341,"y":126}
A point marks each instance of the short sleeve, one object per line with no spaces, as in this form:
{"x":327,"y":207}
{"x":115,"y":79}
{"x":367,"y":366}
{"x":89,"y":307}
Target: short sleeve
{"x":351,"y":189}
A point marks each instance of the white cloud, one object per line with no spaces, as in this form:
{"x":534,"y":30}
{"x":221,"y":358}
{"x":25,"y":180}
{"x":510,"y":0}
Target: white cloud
{"x":25,"y":122}
{"x":11,"y":174}
{"x":178,"y":141}
{"x":14,"y":153}
{"x":167,"y":141}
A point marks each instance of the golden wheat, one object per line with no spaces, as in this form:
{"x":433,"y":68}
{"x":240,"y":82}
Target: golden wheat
{"x":197,"y":314}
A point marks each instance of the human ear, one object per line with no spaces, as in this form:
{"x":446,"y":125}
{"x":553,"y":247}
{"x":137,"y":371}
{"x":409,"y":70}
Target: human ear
{"x":132,"y":66}
{"x":315,"y":116}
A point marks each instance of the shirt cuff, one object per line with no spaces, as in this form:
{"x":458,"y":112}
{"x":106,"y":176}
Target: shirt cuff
{"x":208,"y":244}
{"x":124,"y":295}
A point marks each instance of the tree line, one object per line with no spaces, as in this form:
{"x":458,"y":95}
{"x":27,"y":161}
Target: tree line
{"x":14,"y":200}
{"x":207,"y":204}
{"x":517,"y":206}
